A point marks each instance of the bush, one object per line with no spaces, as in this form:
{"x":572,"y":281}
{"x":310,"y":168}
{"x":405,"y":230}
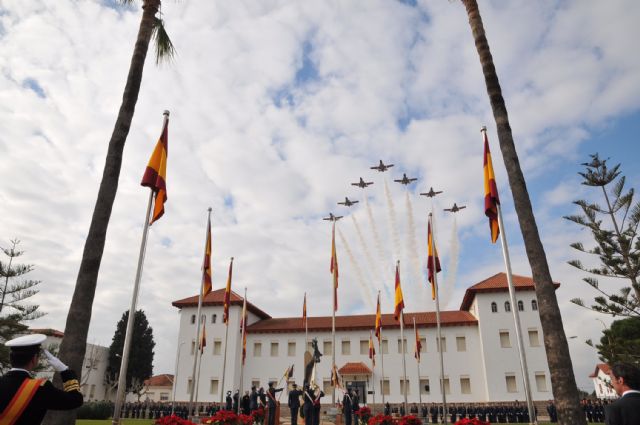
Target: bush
{"x":95,"y":410}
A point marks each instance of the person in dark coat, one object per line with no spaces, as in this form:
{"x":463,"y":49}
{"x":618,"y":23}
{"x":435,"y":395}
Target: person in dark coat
{"x":228,"y":401}
{"x":262,"y":396}
{"x":271,"y":402}
{"x":236,"y":400}
{"x":253,"y":399}
{"x":245,"y":404}
{"x":307,"y":406}
{"x":36,"y":395}
{"x":294,"y":403}
{"x":625,"y":380}
{"x":347,"y":407}
{"x":387,"y":409}
{"x":317,"y":406}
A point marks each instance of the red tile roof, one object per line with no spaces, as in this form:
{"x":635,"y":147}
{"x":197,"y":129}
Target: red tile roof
{"x":360,"y":322}
{"x":47,"y":332}
{"x":217,"y":298}
{"x":164,"y":380}
{"x":354,"y":368}
{"x":600,"y":366}
{"x":498,"y":283}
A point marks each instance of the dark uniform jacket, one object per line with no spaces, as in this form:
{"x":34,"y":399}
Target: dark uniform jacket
{"x":624,"y":411}
{"x":47,"y":397}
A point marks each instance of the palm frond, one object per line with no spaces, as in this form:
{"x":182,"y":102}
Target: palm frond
{"x":165,"y":51}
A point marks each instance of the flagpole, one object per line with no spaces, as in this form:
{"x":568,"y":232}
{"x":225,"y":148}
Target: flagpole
{"x":201,"y":350}
{"x":306,"y":327}
{"x":381,"y":367}
{"x":244,"y":330}
{"x":122,"y":378}
{"x":439,"y":344}
{"x":516,"y":317}
{"x":415,"y":330}
{"x":195,"y":357}
{"x":224,"y":359}
{"x":333,"y":312}
{"x":404,"y":361}
{"x":373,"y":368}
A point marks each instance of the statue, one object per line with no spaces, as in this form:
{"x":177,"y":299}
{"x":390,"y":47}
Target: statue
{"x":310,"y":361}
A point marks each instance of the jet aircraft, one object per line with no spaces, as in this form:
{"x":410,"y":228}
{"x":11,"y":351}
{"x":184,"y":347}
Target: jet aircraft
{"x":431,"y":193}
{"x":362,"y":183}
{"x":455,"y":208}
{"x":332,"y":217}
{"x":382,"y":167}
{"x":347,"y":202}
{"x":405,"y":180}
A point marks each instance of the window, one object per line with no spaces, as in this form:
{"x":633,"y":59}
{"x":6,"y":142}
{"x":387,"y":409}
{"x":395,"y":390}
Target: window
{"x":461,"y":343}
{"x":534,"y":341}
{"x":507,"y":306}
{"x":465,"y":385}
{"x":505,"y":342}
{"x":405,"y":386}
{"x":443,"y":344}
{"x":189,"y":386}
{"x":193,"y":319}
{"x":213,"y":386}
{"x":494,"y":307}
{"x":510,"y":380}
{"x":385,"y":347}
{"x":424,"y":386}
{"x":534,"y":305}
{"x":217,"y":347}
{"x":326,"y":345}
{"x":193,"y":347}
{"x":401,"y":346}
{"x":257,"y":349}
{"x":327,"y":388}
{"x":520,"y":306}
{"x":291,"y":349}
{"x":423,"y":345}
{"x":274,"y":349}
{"x":164,"y":396}
{"x":384,"y":383}
{"x":346,"y":348}
{"x":447,"y":387}
{"x":541,"y":382}
{"x":213,"y":318}
{"x":364,"y":347}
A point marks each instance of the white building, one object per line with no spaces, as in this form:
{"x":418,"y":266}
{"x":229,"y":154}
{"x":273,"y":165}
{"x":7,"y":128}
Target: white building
{"x":94,"y":366}
{"x":158,"y":388}
{"x":479,"y":346}
{"x":602,"y":382}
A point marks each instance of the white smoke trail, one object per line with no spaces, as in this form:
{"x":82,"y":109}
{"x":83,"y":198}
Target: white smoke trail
{"x":367,"y":254}
{"x":412,"y":242}
{"x":452,"y":272}
{"x":392,"y":222}
{"x":356,"y":267}
{"x":379,"y":248}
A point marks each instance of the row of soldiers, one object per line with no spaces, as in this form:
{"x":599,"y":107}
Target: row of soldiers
{"x":493,"y":412}
{"x":594,"y":409}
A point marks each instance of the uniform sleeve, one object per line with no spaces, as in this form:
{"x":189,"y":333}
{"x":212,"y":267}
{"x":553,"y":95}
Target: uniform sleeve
{"x":68,"y":398}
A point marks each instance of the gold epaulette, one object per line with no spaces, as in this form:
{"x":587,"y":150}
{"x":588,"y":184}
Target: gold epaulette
{"x":71,"y":385}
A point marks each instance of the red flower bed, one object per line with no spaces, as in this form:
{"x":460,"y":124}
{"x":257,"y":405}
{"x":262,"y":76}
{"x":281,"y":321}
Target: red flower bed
{"x":258,"y":415}
{"x":382,"y":420}
{"x":363,"y":414}
{"x":172,"y":420}
{"x":409,"y":420}
{"x":222,"y":417}
{"x":474,"y":421}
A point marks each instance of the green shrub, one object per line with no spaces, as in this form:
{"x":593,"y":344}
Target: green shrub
{"x":95,"y":410}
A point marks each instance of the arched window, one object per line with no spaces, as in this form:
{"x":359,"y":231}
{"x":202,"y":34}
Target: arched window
{"x":520,"y":306}
{"x":507,"y":306}
{"x":494,"y":307}
{"x":193,"y":319}
{"x":534,"y":305}
{"x":213,"y":318}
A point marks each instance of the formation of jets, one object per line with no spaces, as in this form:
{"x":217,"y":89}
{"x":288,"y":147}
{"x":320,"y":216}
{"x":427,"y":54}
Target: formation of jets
{"x":347,"y":202}
{"x":455,"y":208}
{"x":405,"y":180}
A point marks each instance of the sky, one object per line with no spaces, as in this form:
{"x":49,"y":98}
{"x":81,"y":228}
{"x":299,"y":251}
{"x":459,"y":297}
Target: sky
{"x":276,"y":107}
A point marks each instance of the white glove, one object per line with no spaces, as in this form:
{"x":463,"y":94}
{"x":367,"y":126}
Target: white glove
{"x":55,"y":362}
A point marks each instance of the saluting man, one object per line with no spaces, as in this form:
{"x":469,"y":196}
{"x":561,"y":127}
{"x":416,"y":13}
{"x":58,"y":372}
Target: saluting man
{"x":25,"y":400}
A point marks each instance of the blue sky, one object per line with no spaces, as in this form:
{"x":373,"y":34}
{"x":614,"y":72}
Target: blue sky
{"x":276,"y":107}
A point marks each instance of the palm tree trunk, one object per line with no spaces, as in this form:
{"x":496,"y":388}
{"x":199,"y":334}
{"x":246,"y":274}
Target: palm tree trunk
{"x":73,"y":346}
{"x":563,"y":381}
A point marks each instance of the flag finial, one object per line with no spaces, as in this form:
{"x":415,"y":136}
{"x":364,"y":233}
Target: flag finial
{"x":166,"y":113}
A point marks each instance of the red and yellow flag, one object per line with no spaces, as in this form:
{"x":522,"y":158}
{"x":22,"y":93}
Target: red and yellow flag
{"x":203,"y":338}
{"x":431,"y":248}
{"x":336,"y":380}
{"x":155,"y":175}
{"x":399,"y":300}
{"x":491,"y":199}
{"x":304,"y":311}
{"x":334,"y":267}
{"x":418,"y":349}
{"x":372,"y":350}
{"x":378,"y":326}
{"x":227,"y":295}
{"x":207,"y":286}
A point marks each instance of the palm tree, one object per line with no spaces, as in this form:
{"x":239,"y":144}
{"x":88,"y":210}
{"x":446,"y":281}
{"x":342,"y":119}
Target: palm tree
{"x":563,"y":381}
{"x":73,"y":346}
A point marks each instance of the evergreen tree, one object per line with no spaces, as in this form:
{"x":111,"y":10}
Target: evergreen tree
{"x":621,"y":342}
{"x":614,"y":228}
{"x":141,"y":354}
{"x":13,"y":293}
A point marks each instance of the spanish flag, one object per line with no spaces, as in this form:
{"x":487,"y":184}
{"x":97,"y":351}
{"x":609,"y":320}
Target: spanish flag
{"x":336,"y":380}
{"x":431,"y":248}
{"x":372,"y":350}
{"x":207,"y":286}
{"x":304,"y":311}
{"x":399,"y":301}
{"x":378,"y":327}
{"x":334,"y":267}
{"x":155,"y":175}
{"x":416,"y":354}
{"x":491,"y":199}
{"x":227,"y":295}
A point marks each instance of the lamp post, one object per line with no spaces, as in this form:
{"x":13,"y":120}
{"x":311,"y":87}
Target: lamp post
{"x":175,"y":379}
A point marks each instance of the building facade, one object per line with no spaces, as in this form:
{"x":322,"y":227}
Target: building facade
{"x":478,"y":341}
{"x":602,"y":382}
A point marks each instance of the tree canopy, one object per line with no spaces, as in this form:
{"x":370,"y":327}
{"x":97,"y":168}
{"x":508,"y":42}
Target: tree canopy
{"x":621,"y":342}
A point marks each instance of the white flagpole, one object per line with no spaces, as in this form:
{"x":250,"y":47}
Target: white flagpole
{"x":122,"y":378}
{"x":195,"y":356}
{"x":381,"y":367}
{"x":404,"y":361}
{"x":516,"y":318}
{"x":418,"y":362}
{"x":373,"y":370}
{"x":306,"y":326}
{"x":244,"y":331}
{"x":439,"y":344}
{"x":224,"y":359}
{"x":333,"y":314}
{"x":199,"y":354}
